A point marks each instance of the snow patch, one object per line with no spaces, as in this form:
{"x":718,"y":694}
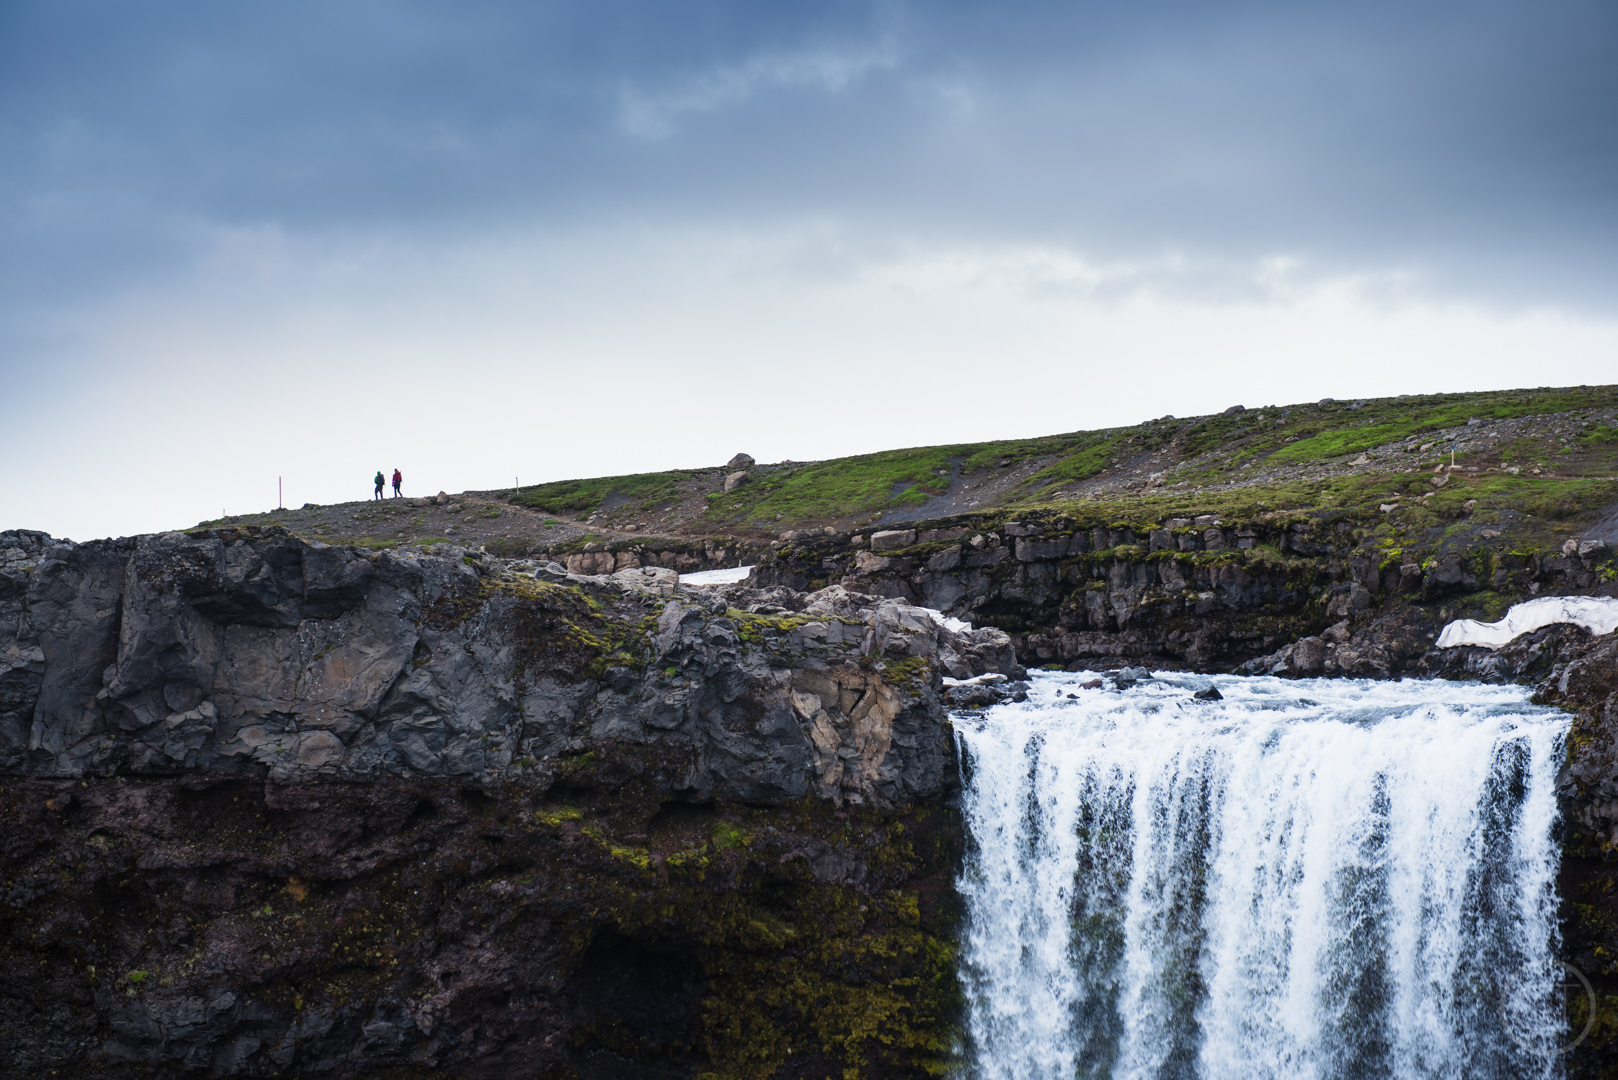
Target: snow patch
{"x":1597,"y":614}
{"x":717,"y":577}
{"x":977,"y":680}
{"x":948,"y":622}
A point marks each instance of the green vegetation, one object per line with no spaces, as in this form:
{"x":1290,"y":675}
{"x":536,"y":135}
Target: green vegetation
{"x":910,"y":674}
{"x":578,"y":497}
{"x":858,"y":488}
{"x":1080,"y":466}
{"x":1318,"y":432}
{"x":727,"y":834}
{"x":1542,"y":510}
{"x":841,"y":487}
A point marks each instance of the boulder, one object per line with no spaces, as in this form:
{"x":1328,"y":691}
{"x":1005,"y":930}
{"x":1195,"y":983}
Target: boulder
{"x":735,"y":480}
{"x":888,"y":539}
{"x":590,"y":563}
{"x":1130,"y":676}
{"x":1308,"y":657}
{"x":740,"y":461}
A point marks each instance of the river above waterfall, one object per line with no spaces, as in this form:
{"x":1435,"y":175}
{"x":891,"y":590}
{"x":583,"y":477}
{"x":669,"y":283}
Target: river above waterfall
{"x":1312,"y":879}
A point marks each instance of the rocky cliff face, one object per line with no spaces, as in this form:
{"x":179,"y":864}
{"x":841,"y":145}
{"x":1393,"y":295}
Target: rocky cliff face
{"x":284,"y":808}
{"x":258,"y":654}
{"x":1197,"y":592}
{"x":1580,"y":673}
{"x":280,"y":806}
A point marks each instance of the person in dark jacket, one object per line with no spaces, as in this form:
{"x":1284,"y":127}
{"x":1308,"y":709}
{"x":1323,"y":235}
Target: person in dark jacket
{"x":380,"y":480}
{"x":398,"y":478}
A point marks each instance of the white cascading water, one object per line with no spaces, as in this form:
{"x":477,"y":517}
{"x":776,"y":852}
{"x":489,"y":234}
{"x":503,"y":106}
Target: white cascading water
{"x":1330,"y":879}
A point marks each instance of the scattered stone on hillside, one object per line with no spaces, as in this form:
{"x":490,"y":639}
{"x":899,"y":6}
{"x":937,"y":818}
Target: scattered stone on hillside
{"x":889,"y":539}
{"x":1233,"y":410}
{"x":442,"y":498}
{"x":735,"y":480}
{"x":740,"y":461}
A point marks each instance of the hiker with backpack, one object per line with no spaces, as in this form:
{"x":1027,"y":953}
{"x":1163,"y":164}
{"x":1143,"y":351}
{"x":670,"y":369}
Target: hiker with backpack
{"x":398,"y":478}
{"x":380,"y":480}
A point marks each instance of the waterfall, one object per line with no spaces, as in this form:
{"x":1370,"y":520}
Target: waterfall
{"x":1330,"y":879}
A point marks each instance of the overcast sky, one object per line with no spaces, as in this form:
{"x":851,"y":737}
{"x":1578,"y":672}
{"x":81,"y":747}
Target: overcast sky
{"x":485,"y":240}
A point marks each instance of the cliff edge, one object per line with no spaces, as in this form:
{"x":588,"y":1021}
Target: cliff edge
{"x":276,"y":807}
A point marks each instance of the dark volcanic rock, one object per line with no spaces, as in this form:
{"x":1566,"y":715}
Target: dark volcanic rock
{"x":185,"y":926}
{"x":282,"y":808}
{"x":1580,"y":672}
{"x":251,"y":654}
{"x":1189,"y":592}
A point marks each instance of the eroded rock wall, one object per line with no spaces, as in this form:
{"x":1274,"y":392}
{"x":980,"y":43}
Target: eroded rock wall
{"x":1580,"y":673}
{"x":254,"y":653}
{"x":1196,"y":592}
{"x":194,"y":926}
{"x":277,"y":808}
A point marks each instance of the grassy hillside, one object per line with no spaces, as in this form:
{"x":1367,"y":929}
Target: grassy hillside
{"x":1534,"y":463}
{"x":1274,"y":446}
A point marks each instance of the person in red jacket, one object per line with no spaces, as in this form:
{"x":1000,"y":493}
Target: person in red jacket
{"x":398,"y":478}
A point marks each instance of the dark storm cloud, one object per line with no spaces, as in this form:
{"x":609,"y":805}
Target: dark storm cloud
{"x":1476,"y":143}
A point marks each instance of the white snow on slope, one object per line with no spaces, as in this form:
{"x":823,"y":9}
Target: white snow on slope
{"x":1597,"y":614}
{"x":717,"y":577}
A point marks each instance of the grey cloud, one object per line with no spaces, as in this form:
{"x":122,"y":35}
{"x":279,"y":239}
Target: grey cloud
{"x":654,"y":114}
{"x":1471,"y":143}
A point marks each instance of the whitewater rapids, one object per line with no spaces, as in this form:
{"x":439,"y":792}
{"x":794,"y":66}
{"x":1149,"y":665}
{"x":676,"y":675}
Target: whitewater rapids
{"x":1307,"y":879}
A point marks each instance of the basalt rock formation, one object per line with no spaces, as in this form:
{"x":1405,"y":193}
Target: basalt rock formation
{"x":1298,"y":595}
{"x":1580,"y":673}
{"x":284,"y":808}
